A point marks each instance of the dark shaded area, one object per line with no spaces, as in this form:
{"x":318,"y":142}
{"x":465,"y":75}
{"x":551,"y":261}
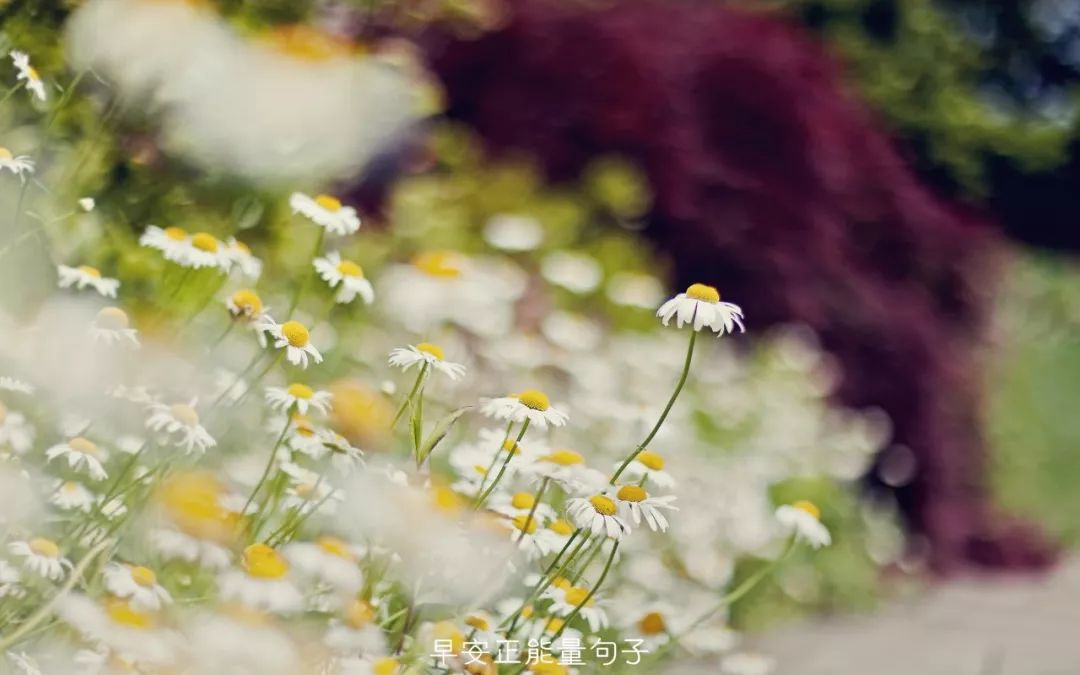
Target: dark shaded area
{"x":775,"y":185}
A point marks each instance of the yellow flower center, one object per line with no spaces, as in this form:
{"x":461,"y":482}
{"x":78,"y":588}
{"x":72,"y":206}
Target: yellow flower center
{"x":446,"y":499}
{"x":80,"y":444}
{"x":480,"y":469}
{"x":603,"y":505}
{"x":703,"y":293}
{"x":334,"y":546}
{"x":143,"y":576}
{"x":652,"y":624}
{"x":90,"y":271}
{"x":205,"y":242}
{"x":33,"y":73}
{"x":651,"y":460}
{"x":477,"y":622}
{"x":184,"y":414}
{"x":120,"y":611}
{"x":176,"y":233}
{"x":632,"y":493}
{"x":548,"y":666}
{"x":527,"y":612}
{"x":193,"y":501}
{"x":434,"y":350}
{"x":263,"y":562}
{"x":70,"y":487}
{"x":301,"y":391}
{"x":247,"y":301}
{"x":808,"y":507}
{"x":511,"y":446}
{"x":554,"y":625}
{"x":561,"y":527}
{"x":308,"y":43}
{"x":359,"y":613}
{"x":575,"y":595}
{"x":303,"y":426}
{"x":295,"y":333}
{"x":44,"y":547}
{"x":5,"y":153}
{"x":113,"y":318}
{"x":329,"y":203}
{"x":561,"y":582}
{"x":525,"y":524}
{"x":350,"y":269}
{"x":305,"y":490}
{"x":536,"y":400}
{"x":241,"y":247}
{"x":442,"y":264}
{"x":387,"y":665}
{"x":565,"y":458}
{"x":522,"y":500}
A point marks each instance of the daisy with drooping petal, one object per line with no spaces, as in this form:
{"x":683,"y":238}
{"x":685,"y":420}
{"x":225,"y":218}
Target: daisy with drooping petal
{"x":181,"y":422}
{"x":803,"y":520}
{"x":300,"y":396}
{"x":42,"y":557}
{"x":598,"y":514}
{"x":246,"y":304}
{"x":84,"y":275}
{"x":80,"y":453}
{"x":650,"y":466}
{"x":263,"y":582}
{"x":326,"y":211}
{"x":27,"y":74}
{"x":635,"y":503}
{"x":137,"y":584}
{"x":112,"y":325}
{"x":346,"y":276}
{"x":294,"y":337}
{"x":331,"y":560}
{"x":240,"y":258}
{"x":20,"y":165}
{"x":700,"y":305}
{"x":427,"y":354}
{"x":532,"y":405}
{"x":565,"y":598}
{"x":70,"y":495}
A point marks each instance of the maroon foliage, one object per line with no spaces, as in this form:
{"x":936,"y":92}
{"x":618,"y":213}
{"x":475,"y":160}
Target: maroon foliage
{"x":774,"y":184}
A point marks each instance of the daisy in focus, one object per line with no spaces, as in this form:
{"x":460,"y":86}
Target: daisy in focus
{"x":346,"y":276}
{"x":294,"y":337}
{"x":27,"y":74}
{"x":532,"y":405}
{"x":598,"y":514}
{"x":195,"y":251}
{"x":112,"y":326}
{"x":84,"y":275}
{"x":427,"y":355}
{"x":802,"y":519}
{"x":635,"y":504}
{"x":20,"y":165}
{"x":300,"y":396}
{"x":701,"y":306}
{"x":80,"y":454}
{"x":327,"y":212}
{"x":42,"y":557}
{"x":136,"y":584}
{"x":181,"y":422}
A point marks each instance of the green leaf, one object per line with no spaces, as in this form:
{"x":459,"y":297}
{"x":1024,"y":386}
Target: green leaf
{"x":442,"y":427}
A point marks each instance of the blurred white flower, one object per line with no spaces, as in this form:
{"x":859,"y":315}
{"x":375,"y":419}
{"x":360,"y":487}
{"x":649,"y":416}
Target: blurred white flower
{"x":326,"y":211}
{"x":803,"y":520}
{"x":84,"y":275}
{"x":20,"y":165}
{"x":427,"y":354}
{"x":27,"y":74}
{"x":513,"y":233}
{"x":576,"y":272}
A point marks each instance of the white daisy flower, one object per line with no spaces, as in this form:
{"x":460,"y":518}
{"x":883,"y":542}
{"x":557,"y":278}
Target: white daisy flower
{"x":567,"y":468}
{"x":8,"y":383}
{"x":700,"y":305}
{"x":803,"y":519}
{"x":513,"y":233}
{"x":136,"y":584}
{"x":80,"y":453}
{"x":576,"y":272}
{"x":554,"y":536}
{"x":42,"y":557}
{"x":130,"y":634}
{"x":598,"y":514}
{"x":308,"y":488}
{"x":356,"y":631}
{"x":27,"y":74}
{"x":634,"y":504}
{"x":181,"y":422}
{"x":196,"y":251}
{"x":529,"y":405}
{"x":303,"y":397}
{"x":326,"y":211}
{"x":240,"y":258}
{"x":650,"y":466}
{"x":344,"y":274}
{"x":84,"y":275}
{"x":70,"y":495}
{"x":172,"y":242}
{"x":344,"y":458}
{"x":565,"y":598}
{"x":427,"y":354}
{"x":294,"y":337}
{"x":328,"y":559}
{"x":519,"y":504}
{"x":10,"y":581}
{"x":262,"y":583}
{"x":20,"y":165}
{"x":181,"y":546}
{"x":112,"y":325}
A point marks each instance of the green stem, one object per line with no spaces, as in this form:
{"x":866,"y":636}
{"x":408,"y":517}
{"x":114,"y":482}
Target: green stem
{"x":532,"y":511}
{"x":667,"y":409}
{"x":269,"y":465}
{"x":412,"y":393}
{"x":502,"y":470}
{"x":588,"y":561}
{"x":591,"y":593}
{"x":548,"y":576}
{"x":302,"y":286}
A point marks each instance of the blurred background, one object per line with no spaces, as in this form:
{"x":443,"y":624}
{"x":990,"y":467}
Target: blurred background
{"x":897,"y":178}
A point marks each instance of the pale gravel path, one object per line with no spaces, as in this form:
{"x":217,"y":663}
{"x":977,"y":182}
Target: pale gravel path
{"x":988,"y":626}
